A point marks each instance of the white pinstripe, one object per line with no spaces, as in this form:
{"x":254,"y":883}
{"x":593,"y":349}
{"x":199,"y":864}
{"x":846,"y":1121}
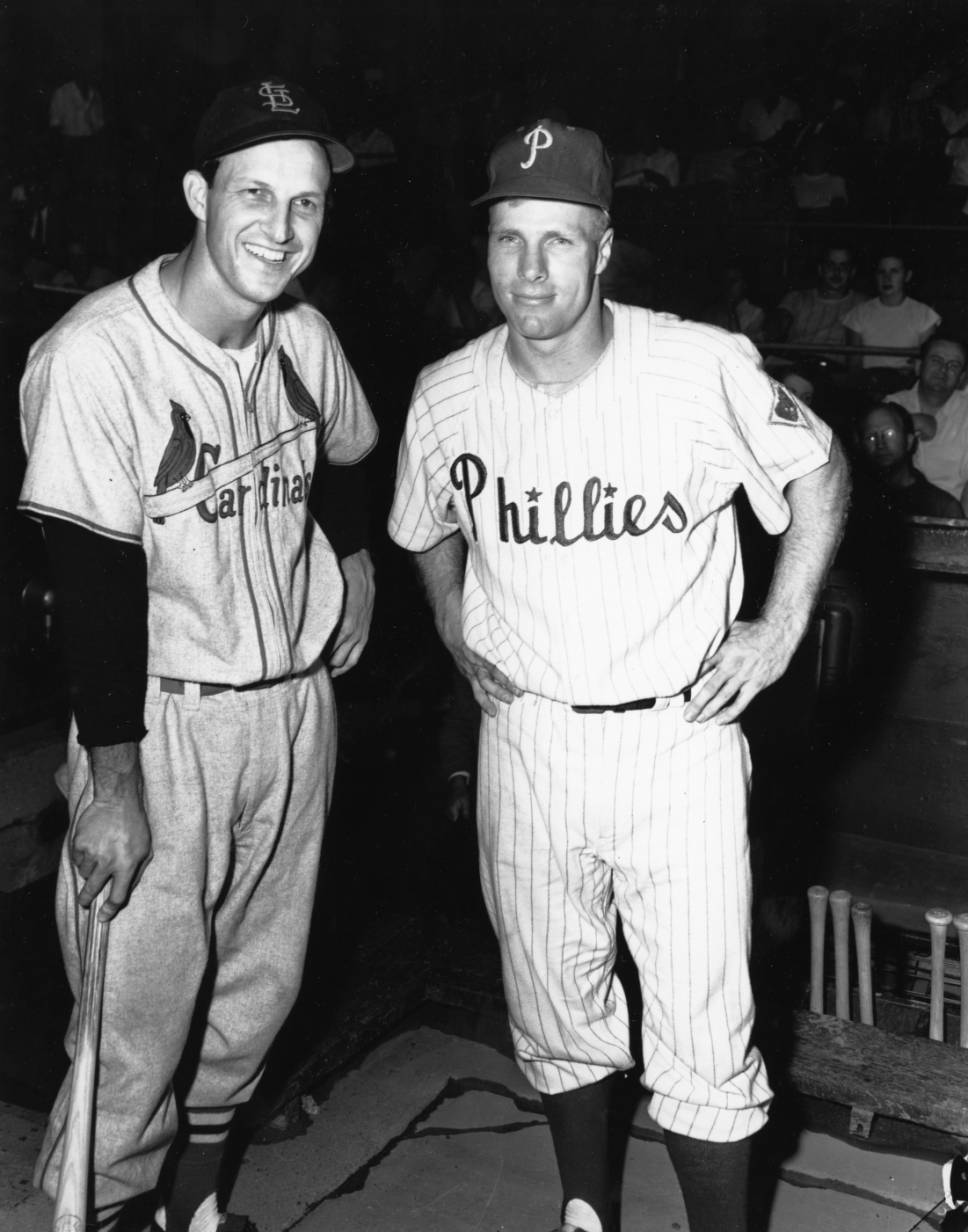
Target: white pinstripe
{"x":584,"y":818}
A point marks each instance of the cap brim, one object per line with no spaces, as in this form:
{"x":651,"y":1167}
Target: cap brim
{"x":542,"y":190}
{"x":340,"y":156}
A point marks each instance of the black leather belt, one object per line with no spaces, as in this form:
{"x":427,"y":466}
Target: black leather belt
{"x":168,"y":685}
{"x":642,"y":703}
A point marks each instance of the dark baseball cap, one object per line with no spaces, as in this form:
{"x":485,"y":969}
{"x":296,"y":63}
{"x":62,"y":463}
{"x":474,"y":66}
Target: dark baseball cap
{"x":552,"y":161}
{"x":266,"y":110}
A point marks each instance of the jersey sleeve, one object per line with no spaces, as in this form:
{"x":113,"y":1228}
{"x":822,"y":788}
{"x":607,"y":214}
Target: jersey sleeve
{"x":77,"y":431}
{"x":349,"y":430}
{"x":773,"y":438}
{"x":422,"y":514}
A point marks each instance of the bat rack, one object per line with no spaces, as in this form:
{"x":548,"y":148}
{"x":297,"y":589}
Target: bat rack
{"x":872,"y":1070}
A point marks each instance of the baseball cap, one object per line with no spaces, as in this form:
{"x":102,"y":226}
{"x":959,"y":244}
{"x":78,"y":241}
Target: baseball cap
{"x":266,"y":110}
{"x":553,"y":161}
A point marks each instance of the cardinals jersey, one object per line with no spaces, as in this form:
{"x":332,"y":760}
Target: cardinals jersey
{"x":603,"y":561}
{"x":139,"y":428}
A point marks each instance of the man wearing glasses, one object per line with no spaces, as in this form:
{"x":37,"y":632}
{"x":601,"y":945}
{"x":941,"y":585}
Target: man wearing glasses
{"x":939,"y":404}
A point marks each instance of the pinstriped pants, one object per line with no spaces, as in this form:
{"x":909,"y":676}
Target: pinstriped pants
{"x":641,"y":816}
{"x":236,"y":791}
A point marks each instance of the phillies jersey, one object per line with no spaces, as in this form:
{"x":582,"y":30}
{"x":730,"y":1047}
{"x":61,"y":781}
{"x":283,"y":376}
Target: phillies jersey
{"x":139,"y":428}
{"x":603,"y":560}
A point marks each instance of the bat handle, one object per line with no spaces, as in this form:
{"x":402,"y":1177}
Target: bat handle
{"x":938,"y":919}
{"x":861,"y":914}
{"x":840,"y":910}
{"x":817,"y":897}
{"x":961,"y":923}
{"x":70,"y":1208}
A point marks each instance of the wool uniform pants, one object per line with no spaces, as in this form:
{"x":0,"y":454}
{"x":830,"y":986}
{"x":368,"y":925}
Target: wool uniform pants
{"x":213,"y":939}
{"x":587,"y":818}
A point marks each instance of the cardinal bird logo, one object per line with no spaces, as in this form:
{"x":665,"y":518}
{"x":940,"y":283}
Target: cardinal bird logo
{"x":300,"y":399}
{"x":179,"y":456}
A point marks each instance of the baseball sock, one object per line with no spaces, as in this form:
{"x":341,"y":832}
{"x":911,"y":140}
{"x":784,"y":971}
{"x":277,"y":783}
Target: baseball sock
{"x":714,"y":1179}
{"x":196,"y":1173}
{"x":579,"y":1130}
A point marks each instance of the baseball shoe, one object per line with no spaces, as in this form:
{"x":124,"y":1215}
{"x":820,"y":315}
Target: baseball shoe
{"x":208,"y":1218}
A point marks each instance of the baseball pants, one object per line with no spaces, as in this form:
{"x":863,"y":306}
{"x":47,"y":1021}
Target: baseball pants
{"x":585,"y":818}
{"x":236,"y":789}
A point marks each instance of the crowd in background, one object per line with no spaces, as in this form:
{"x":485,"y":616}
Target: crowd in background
{"x":786,"y":193}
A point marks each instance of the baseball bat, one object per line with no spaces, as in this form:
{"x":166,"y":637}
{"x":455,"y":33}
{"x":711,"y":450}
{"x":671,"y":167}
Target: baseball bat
{"x":961,"y":923}
{"x":861,"y":913}
{"x":817,"y":898}
{"x":938,"y":920}
{"x":70,"y":1209}
{"x":840,"y":910}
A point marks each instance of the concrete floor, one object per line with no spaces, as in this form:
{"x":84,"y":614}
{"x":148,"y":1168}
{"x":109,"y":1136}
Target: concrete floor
{"x":433,"y":1132}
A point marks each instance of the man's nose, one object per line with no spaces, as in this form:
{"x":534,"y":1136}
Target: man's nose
{"x":278,"y":225}
{"x":533,"y":266}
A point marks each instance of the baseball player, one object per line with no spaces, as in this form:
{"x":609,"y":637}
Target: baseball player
{"x":174,"y":423}
{"x":565,"y":482}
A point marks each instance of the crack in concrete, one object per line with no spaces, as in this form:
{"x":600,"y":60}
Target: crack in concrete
{"x":452,"y":1089}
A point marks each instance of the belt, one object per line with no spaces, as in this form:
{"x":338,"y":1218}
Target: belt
{"x":641,"y":703}
{"x":168,"y":685}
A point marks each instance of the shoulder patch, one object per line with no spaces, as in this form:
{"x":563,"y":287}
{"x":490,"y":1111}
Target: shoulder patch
{"x":785,"y":409}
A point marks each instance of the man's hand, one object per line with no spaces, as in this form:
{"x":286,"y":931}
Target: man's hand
{"x":489,"y":683}
{"x":111,"y":840}
{"x":459,"y":797}
{"x":354,"y":627}
{"x":754,"y":655}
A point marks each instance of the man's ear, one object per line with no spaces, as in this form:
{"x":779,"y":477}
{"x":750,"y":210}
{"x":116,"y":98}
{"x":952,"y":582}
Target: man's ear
{"x":604,"y":250}
{"x":907,"y":276}
{"x":196,"y":193}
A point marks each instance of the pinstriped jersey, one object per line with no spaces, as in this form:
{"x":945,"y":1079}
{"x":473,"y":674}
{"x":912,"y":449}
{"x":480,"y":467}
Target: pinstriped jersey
{"x":139,"y":428}
{"x":603,"y":561}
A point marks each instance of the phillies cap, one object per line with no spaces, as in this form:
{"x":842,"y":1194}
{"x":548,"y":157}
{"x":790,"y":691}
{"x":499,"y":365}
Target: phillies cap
{"x":267,"y":110}
{"x":552,"y":161}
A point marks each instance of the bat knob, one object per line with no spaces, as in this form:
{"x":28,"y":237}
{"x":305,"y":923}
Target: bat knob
{"x":861,"y":910}
{"x":961,"y":922}
{"x":938,"y":917}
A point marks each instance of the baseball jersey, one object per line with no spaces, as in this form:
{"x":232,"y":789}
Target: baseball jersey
{"x":603,"y":562}
{"x":943,"y":459}
{"x":900,"y":325}
{"x":141,"y":429}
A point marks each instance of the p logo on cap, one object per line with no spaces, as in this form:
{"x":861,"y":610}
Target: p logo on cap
{"x":553,"y":161}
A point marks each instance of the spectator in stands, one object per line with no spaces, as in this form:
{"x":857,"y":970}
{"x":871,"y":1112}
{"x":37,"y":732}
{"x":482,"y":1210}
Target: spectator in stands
{"x":939,"y":406}
{"x":815,"y":315}
{"x":817,"y":190}
{"x":768,"y":115}
{"x":893,"y":319}
{"x":887,"y":442}
{"x":732,"y":309}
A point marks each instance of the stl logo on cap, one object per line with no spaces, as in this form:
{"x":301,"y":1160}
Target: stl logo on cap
{"x":278,"y":97}
{"x":538,"y":139}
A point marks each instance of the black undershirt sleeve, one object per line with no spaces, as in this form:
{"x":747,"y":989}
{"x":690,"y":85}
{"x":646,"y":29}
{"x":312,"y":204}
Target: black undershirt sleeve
{"x":101,"y":608}
{"x":337,"y":500}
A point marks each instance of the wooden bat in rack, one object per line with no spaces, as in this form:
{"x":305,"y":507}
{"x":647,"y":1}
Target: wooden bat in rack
{"x":817,"y":897}
{"x":840,"y":910}
{"x":861,"y":914}
{"x":961,"y":923}
{"x":70,"y":1209}
{"x":938,"y":919}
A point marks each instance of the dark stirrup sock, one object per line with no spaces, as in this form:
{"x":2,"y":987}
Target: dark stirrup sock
{"x":579,"y":1130}
{"x":196,"y":1172}
{"x":714,"y":1179}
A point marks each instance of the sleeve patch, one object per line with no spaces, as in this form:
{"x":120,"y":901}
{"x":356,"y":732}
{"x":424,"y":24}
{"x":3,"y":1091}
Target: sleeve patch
{"x":785,"y":409}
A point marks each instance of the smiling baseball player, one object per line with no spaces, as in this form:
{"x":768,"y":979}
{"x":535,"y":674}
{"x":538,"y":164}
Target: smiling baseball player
{"x":566,"y":484}
{"x":174,"y":424}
